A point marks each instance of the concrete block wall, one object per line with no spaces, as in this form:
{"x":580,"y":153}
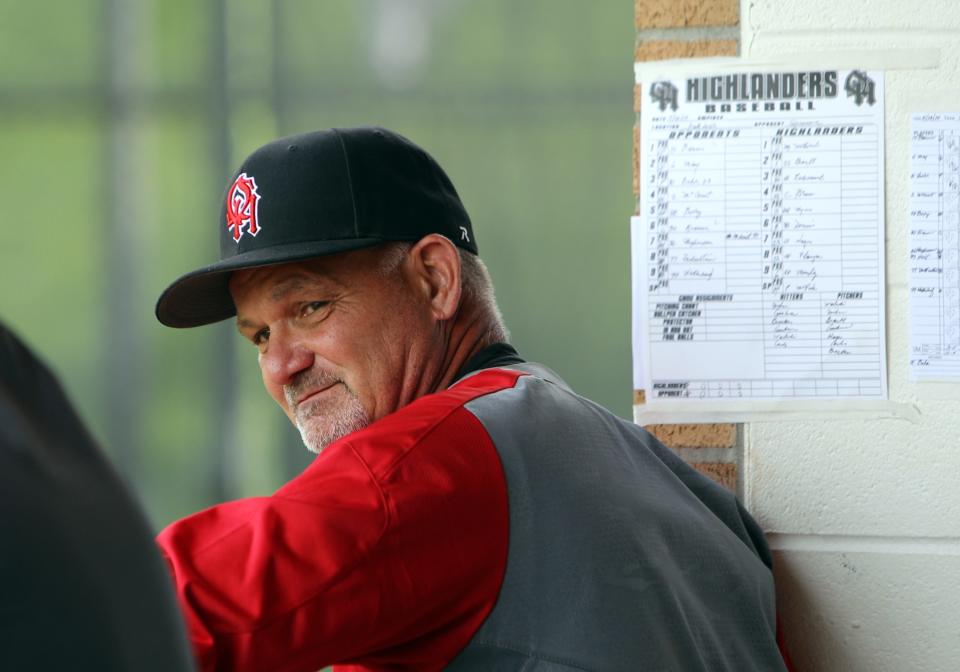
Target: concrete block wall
{"x":669,"y":29}
{"x":864,"y":514}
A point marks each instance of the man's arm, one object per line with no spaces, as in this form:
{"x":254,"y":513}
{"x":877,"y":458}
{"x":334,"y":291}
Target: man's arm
{"x":390,"y":548}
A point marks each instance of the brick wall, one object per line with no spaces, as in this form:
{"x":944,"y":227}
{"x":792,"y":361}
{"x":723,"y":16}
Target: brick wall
{"x":669,"y":29}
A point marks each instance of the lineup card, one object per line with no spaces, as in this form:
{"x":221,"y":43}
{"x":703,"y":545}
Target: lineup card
{"x":761,"y":211}
{"x":935,"y":246}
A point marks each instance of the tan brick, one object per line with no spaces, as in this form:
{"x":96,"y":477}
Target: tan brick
{"x":639,"y":397}
{"x":636,"y":161}
{"x":724,"y":473}
{"x":660,"y":50}
{"x":696,"y":436}
{"x":637,"y":96}
{"x":682,"y":13}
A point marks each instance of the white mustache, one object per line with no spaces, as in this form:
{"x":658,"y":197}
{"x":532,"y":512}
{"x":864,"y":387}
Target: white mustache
{"x":306,"y":382}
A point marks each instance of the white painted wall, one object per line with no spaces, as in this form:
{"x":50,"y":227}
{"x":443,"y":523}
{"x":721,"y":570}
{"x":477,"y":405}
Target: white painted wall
{"x":864,"y":516}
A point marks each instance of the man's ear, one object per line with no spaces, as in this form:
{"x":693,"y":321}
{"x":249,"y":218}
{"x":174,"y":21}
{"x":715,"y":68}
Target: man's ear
{"x":435,"y":264}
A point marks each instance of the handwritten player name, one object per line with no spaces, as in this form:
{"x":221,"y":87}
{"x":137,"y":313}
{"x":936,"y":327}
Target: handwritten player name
{"x":796,"y":146}
{"x":695,"y":273}
{"x":925,"y":290}
{"x":696,"y":242}
{"x":783,"y":308}
{"x":925,"y":253}
{"x":837,"y":323}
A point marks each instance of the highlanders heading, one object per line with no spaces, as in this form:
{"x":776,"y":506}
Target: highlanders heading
{"x":762,"y":86}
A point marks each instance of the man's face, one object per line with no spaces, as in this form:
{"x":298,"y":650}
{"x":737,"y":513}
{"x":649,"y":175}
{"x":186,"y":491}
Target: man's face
{"x":341,"y":338}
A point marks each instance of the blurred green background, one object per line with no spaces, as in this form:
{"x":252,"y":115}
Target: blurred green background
{"x":121,"y":121}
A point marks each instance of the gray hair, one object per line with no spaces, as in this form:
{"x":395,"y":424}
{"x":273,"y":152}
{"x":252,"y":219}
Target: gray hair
{"x":476,"y":287}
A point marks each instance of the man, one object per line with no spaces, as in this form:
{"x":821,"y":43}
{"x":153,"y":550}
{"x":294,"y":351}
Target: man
{"x":83,"y":585}
{"x":467,"y":510}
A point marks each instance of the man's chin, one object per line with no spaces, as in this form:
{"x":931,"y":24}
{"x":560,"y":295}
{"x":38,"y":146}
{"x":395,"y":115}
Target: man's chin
{"x":318,"y":435}
{"x":329,"y":416}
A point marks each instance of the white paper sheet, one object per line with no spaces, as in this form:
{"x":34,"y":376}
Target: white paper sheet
{"x":935,"y":246}
{"x":762,"y":207}
{"x":638,"y":278}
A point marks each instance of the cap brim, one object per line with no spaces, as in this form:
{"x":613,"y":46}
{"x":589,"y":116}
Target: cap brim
{"x":203,"y":296}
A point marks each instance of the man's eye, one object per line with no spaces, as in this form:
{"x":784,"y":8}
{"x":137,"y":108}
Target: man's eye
{"x":312,"y":307}
{"x":261,"y":336}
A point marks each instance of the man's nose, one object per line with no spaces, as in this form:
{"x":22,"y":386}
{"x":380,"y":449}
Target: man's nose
{"x":283,"y":360}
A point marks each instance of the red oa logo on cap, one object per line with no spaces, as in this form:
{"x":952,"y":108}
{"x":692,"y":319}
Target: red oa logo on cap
{"x":242,"y":200}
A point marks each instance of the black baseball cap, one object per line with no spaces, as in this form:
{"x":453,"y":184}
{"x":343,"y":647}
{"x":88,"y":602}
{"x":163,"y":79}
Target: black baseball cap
{"x":316,"y":194}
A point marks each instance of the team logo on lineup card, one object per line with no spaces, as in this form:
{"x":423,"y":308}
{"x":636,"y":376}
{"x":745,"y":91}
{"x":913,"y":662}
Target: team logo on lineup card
{"x":664,"y":93}
{"x":242,"y":200}
{"x":860,"y":87}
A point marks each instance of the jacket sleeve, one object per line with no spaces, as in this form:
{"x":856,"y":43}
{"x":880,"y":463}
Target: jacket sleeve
{"x":355,"y":561}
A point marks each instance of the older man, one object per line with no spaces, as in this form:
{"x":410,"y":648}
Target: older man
{"x":467,"y":510}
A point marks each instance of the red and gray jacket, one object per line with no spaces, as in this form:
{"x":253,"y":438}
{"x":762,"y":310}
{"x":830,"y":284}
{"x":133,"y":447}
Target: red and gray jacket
{"x":505,"y":523}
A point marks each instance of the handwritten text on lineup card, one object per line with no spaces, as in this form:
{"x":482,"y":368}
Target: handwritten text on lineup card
{"x":761,"y":198}
{"x":935,"y":246}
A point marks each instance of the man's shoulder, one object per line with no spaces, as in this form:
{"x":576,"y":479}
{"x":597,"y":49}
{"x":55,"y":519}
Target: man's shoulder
{"x":431,"y":418}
